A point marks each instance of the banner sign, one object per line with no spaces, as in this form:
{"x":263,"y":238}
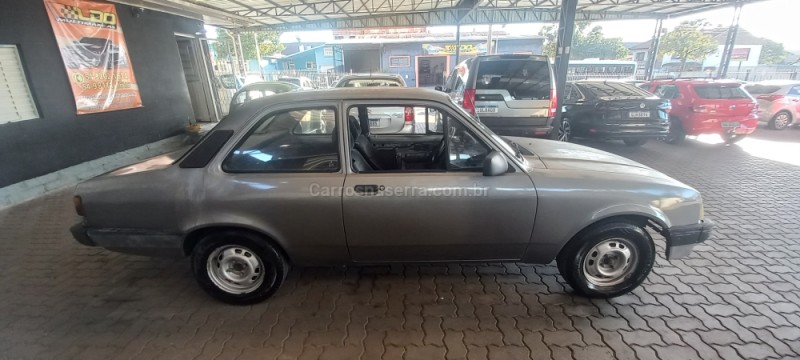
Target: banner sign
{"x":450,"y":49}
{"x":95,"y":55}
{"x":740,"y":54}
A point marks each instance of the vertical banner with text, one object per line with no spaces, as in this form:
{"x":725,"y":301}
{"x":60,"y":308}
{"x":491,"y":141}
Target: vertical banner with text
{"x":95,"y":55}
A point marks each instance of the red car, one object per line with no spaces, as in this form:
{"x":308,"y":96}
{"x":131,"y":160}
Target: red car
{"x":707,"y":107}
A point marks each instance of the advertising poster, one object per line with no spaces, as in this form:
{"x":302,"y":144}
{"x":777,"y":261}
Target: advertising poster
{"x":450,"y":49}
{"x":95,"y":55}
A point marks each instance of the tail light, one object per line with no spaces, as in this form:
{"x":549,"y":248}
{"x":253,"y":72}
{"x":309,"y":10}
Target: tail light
{"x":78,"y":202}
{"x":469,"y":101}
{"x":553,"y":108}
{"x":408,"y":114}
{"x":770,"y":97}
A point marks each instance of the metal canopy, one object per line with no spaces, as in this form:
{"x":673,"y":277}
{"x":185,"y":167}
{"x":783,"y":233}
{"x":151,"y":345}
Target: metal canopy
{"x":285,"y":15}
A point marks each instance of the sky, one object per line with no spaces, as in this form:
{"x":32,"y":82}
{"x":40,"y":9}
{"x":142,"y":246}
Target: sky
{"x":771,"y":19}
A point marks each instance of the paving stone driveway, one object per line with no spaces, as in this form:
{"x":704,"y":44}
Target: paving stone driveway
{"x":737,"y":296}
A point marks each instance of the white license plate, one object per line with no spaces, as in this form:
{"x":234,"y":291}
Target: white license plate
{"x":374,"y":123}
{"x":486,"y":109}
{"x":730,"y":124}
{"x":639,"y":114}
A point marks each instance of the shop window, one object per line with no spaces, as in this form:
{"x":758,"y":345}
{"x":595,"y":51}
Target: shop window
{"x":310,"y":65}
{"x":16,"y":100}
{"x":327,"y":51}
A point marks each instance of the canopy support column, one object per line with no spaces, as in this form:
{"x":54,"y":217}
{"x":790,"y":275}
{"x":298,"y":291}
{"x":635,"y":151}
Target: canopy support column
{"x":730,"y":43}
{"x":458,"y":42}
{"x":653,"y":53}
{"x":566,"y":28}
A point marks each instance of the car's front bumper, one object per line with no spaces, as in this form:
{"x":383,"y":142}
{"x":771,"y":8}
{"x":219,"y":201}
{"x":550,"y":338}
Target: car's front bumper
{"x":682,"y":239}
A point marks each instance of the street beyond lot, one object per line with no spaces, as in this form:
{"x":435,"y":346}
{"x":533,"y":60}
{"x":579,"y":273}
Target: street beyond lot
{"x":737,"y":296}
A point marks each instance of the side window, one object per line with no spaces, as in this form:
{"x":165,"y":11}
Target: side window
{"x":794,"y":91}
{"x":666,"y":91}
{"x":387,"y":120}
{"x":465,"y":150}
{"x":298,"y":140}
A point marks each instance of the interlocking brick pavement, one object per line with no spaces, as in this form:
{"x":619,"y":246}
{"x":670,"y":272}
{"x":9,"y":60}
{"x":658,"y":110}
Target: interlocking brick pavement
{"x":737,"y":296}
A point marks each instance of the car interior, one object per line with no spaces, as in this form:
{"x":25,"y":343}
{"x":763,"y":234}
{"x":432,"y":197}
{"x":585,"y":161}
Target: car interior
{"x":426,"y":149}
{"x":306,"y":140}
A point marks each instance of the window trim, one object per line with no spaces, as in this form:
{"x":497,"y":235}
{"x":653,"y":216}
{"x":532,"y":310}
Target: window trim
{"x":263,"y":116}
{"x":405,"y":64}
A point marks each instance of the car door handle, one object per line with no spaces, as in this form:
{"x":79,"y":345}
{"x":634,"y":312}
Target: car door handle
{"x":368,"y":189}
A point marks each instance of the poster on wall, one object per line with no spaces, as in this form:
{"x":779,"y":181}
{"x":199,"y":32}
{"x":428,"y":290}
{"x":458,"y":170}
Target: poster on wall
{"x":450,"y":49}
{"x":95,"y":55}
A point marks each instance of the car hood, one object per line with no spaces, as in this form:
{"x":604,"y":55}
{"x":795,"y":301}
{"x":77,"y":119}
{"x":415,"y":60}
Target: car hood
{"x":154,"y":163}
{"x":556,"y":155}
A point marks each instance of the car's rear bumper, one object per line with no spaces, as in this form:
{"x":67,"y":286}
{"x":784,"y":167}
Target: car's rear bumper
{"x":519,"y":126}
{"x":130,"y":241}
{"x":682,"y":239}
{"x":709,"y":124}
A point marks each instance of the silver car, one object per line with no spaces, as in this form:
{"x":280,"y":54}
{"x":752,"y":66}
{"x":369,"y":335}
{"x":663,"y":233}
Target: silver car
{"x":514,"y":95}
{"x":778,"y":102}
{"x":260,"y":193}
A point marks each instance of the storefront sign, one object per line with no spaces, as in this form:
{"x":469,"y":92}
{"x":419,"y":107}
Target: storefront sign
{"x":450,"y":49}
{"x":740,"y":54}
{"x":95,"y":55}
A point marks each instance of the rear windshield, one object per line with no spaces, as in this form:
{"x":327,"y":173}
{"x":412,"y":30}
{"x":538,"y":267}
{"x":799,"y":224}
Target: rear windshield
{"x":371,"y":83}
{"x":762,"y":89}
{"x":523,"y":79}
{"x":720,"y":92}
{"x":613,"y":89}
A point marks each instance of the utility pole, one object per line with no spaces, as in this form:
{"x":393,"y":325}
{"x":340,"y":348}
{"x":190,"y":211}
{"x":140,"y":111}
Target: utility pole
{"x":489,"y":46}
{"x":242,"y":65}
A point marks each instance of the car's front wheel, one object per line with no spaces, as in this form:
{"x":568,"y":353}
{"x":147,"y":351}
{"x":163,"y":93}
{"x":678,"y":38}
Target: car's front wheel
{"x":676,"y":133}
{"x":607,"y":260}
{"x":238,"y":267}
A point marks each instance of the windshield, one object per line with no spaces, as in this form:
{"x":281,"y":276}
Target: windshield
{"x":612,"y":89}
{"x":371,"y":83}
{"x":762,"y":89}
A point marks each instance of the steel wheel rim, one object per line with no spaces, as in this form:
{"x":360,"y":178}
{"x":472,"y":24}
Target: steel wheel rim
{"x":781,"y":120}
{"x":564,"y":131}
{"x":235,"y":269}
{"x":610,"y":262}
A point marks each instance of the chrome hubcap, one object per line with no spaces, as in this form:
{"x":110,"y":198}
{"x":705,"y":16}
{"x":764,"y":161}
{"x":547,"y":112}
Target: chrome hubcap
{"x":564,"y":131}
{"x":610,"y":262}
{"x":781,"y":121}
{"x":235,"y":269}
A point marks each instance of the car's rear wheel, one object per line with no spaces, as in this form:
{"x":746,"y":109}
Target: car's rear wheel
{"x":607,"y":260}
{"x":780,"y":121}
{"x":238,"y":267}
{"x":676,"y":133}
{"x":564,"y":131}
{"x":634,"y":142}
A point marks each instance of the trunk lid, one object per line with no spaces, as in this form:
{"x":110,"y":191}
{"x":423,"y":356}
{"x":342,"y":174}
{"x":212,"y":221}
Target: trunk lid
{"x":512,"y":82}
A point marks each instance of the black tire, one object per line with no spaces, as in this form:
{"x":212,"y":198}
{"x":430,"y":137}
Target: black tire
{"x":273,"y":269}
{"x":676,"y":133}
{"x":732,"y":138}
{"x":774,"y":124}
{"x":634,"y":142}
{"x":572,"y":260}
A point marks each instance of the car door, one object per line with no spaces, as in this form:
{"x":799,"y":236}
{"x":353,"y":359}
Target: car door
{"x":449,"y":214}
{"x":280,"y":176}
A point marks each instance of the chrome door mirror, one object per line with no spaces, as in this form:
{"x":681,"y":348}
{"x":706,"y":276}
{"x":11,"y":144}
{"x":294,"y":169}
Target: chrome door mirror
{"x":495,"y":164}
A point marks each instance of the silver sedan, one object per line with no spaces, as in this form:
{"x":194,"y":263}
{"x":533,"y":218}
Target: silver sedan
{"x":263,"y":192}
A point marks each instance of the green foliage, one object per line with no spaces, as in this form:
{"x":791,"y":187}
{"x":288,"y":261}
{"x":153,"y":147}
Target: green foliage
{"x":688,"y":42}
{"x":591,"y":44}
{"x":269,"y":43}
{"x":772,"y":53}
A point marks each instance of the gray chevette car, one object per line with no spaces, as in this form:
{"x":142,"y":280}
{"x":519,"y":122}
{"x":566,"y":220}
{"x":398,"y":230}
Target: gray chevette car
{"x":262,"y":192}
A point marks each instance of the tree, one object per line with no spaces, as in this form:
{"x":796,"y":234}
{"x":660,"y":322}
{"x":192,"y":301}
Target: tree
{"x":772,"y":53}
{"x":688,"y":42}
{"x":269,"y":43}
{"x":591,"y":44}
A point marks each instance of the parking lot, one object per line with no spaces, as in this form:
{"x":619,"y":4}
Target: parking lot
{"x":737,"y":296}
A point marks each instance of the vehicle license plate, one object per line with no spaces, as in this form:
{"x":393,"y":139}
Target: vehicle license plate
{"x":730,"y":124}
{"x":486,"y":109}
{"x":639,"y":114}
{"x":374,"y":123}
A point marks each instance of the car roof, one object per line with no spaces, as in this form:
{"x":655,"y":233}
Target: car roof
{"x":698,"y":81}
{"x":371,"y":76}
{"x":254,"y":107}
{"x":512,"y":56}
{"x":777,"y":82}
